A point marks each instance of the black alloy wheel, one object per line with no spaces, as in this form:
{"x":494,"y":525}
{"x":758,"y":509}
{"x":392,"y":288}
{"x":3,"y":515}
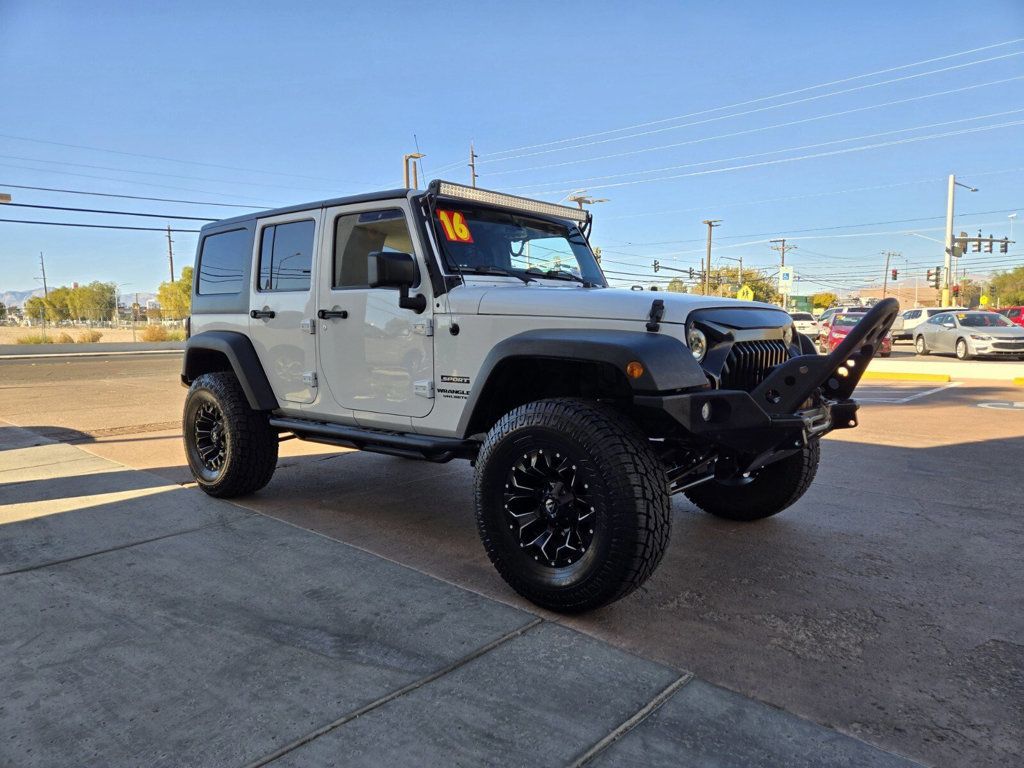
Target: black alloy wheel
{"x":547,"y":506}
{"x":208,"y":438}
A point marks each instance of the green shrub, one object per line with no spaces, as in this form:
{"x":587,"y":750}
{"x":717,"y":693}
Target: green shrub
{"x":177,"y":334}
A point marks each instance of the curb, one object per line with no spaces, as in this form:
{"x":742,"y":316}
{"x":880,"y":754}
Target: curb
{"x":905,"y":376}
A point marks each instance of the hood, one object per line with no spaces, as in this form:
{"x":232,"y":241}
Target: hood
{"x":1013,"y":332}
{"x":599,"y":303}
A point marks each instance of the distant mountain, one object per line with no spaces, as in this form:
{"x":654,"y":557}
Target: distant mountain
{"x":18,"y":298}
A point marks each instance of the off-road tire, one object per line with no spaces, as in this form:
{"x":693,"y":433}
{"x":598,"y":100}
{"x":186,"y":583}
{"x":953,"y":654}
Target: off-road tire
{"x":920,"y":346}
{"x":250,"y":444}
{"x":966,"y":353}
{"x":771,"y":490}
{"x":626,"y":490}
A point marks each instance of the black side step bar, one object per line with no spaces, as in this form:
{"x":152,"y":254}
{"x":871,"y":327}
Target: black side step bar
{"x":408,"y":445}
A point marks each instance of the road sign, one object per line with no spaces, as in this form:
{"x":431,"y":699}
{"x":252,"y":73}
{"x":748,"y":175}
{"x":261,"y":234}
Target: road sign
{"x":984,"y":300}
{"x":786,"y":278}
{"x":746,"y":293}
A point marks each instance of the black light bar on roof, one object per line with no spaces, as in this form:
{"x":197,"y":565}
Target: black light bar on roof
{"x":514,"y":202}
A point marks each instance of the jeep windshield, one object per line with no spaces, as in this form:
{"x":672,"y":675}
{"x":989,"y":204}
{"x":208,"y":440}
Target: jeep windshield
{"x":486,"y":241}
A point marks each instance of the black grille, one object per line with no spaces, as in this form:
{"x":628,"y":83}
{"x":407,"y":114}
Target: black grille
{"x":749,"y":362}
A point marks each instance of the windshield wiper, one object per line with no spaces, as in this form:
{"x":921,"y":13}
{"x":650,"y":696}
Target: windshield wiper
{"x":561,"y":274}
{"x":481,"y":269}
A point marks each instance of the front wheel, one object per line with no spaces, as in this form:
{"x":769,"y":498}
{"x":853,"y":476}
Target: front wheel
{"x":962,"y":352}
{"x":920,"y":346}
{"x":572,"y":505}
{"x":231,"y":449}
{"x":765,"y":493}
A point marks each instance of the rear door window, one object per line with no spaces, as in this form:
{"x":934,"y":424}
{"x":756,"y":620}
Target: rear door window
{"x":286,"y":256}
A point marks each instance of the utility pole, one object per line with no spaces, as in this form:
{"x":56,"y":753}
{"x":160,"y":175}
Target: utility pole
{"x":781,"y":247}
{"x":711,"y":224}
{"x":42,"y":266}
{"x":950,"y":242}
{"x":885,"y":275}
{"x":170,"y":251}
{"x":472,"y":164}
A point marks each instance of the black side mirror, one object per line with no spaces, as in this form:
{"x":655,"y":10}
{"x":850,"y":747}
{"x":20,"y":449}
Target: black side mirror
{"x":391,"y":269}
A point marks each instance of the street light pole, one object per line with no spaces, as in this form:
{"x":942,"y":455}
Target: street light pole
{"x":950,"y":195}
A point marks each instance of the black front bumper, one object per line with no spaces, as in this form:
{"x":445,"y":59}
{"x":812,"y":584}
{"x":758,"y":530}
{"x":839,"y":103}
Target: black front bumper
{"x":801,"y":399}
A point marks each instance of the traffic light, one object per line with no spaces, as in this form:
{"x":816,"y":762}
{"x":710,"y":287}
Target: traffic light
{"x":691,"y":273}
{"x":1004,"y":245}
{"x":895,"y":274}
{"x":988,"y":244}
{"x":935,"y":276}
{"x":977,"y":243}
{"x":657,"y":265}
{"x":956,"y":290}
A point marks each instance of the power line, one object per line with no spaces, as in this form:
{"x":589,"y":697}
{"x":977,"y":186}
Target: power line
{"x":121,"y":181}
{"x":115,"y":213}
{"x":753,"y":111}
{"x":753,"y":130}
{"x":95,"y":226}
{"x":832,"y":153}
{"x":174,"y":159}
{"x":131,"y":197}
{"x":588,"y":179}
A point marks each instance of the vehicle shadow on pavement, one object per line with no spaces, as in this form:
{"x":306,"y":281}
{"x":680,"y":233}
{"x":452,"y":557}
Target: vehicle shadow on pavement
{"x":888,"y":602}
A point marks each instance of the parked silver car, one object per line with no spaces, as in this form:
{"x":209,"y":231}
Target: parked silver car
{"x":970,"y":334}
{"x":806,"y":324}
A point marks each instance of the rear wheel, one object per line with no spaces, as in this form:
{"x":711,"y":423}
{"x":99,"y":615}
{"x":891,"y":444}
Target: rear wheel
{"x":571,"y":503}
{"x":920,"y":346}
{"x":231,"y":449}
{"x":765,"y":493}
{"x":962,"y":351}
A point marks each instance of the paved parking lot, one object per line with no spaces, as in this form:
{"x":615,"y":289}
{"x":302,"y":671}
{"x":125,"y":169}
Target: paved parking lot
{"x":887,"y":604}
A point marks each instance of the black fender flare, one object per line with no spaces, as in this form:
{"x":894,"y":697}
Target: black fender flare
{"x":242,"y":357}
{"x":668,"y":364}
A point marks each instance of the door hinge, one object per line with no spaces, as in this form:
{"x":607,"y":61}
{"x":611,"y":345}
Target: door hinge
{"x":426,"y":328}
{"x":309,"y":379}
{"x":424,"y":388}
{"x":308,"y":326}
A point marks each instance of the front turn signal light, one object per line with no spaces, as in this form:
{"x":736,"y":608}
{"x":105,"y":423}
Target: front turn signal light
{"x":634,"y":369}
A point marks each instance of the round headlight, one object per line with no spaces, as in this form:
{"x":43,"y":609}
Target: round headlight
{"x":787,"y":334}
{"x":698,"y":343}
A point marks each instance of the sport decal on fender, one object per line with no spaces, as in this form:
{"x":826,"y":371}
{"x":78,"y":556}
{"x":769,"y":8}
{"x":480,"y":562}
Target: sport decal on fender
{"x":454,"y":225}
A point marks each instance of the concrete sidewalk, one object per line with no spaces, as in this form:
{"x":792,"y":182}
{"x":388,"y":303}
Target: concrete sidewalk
{"x":147,"y":624}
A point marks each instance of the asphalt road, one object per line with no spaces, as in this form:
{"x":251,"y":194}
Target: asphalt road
{"x":888,"y":603}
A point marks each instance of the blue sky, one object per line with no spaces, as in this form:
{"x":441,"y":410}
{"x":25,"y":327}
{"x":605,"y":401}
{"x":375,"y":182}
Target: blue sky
{"x":274,"y":103}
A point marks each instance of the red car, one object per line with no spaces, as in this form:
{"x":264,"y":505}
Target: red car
{"x":1014,"y":314}
{"x":841,"y":325}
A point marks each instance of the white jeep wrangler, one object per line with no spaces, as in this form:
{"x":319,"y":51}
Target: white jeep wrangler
{"x":462,"y":323}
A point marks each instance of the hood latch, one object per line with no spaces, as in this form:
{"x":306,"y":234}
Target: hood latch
{"x":654,"y":317}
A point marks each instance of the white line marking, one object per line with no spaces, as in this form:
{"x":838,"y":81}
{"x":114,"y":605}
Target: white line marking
{"x":901,"y":400}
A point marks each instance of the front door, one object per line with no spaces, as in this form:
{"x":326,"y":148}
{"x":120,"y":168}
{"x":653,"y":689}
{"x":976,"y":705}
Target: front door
{"x":281,"y":307}
{"x":376,"y":357}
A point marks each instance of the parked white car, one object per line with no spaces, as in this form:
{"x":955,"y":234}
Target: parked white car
{"x":806,"y":324}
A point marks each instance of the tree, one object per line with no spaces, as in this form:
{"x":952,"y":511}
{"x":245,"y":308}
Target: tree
{"x":676,"y":285}
{"x":1008,"y":287}
{"x":725,"y":281}
{"x":176,"y":298}
{"x":35,"y":309}
{"x":3,"y":311}
{"x":824,"y":300}
{"x":57,"y":304}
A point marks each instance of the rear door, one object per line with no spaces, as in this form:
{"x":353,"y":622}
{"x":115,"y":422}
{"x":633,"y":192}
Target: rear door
{"x":281,"y":312}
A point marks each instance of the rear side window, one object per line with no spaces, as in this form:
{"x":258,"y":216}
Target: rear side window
{"x":801,"y":316}
{"x":286,"y":256}
{"x":1014,"y":313}
{"x":357,"y":235}
{"x":222,"y":262}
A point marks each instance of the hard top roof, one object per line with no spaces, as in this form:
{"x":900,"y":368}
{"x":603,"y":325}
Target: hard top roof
{"x":367,"y":197}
